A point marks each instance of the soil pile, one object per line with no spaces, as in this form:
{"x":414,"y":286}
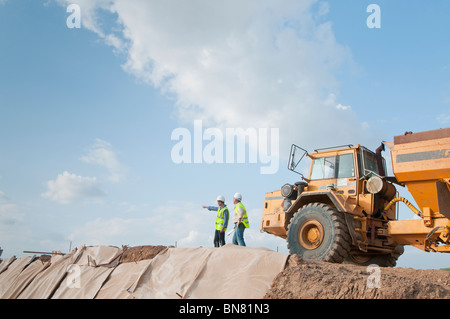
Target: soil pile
{"x":138,"y":253}
{"x":320,"y":280}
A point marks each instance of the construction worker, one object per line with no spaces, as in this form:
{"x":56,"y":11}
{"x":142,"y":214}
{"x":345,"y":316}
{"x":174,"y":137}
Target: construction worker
{"x":221,"y":221}
{"x":240,"y":220}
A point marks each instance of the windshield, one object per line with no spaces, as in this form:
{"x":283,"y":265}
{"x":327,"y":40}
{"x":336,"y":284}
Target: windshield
{"x":338,"y":166}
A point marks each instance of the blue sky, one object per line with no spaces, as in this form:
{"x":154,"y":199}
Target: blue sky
{"x":87,"y":115}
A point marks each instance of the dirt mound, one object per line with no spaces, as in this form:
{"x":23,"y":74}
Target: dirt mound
{"x":320,"y":280}
{"x":135,"y":254}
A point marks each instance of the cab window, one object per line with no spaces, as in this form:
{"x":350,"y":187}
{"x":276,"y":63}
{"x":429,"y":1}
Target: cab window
{"x":339,"y":166}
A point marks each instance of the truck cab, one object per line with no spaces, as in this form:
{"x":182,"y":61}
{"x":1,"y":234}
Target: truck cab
{"x":342,"y":199}
{"x":345,"y":208}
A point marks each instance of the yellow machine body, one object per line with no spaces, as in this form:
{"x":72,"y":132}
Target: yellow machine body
{"x":352,"y":182}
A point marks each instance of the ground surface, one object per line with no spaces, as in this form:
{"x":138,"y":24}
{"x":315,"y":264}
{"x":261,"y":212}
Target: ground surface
{"x":135,"y":254}
{"x":316,"y":280}
{"x":302,"y":279}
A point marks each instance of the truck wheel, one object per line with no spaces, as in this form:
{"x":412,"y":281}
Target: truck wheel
{"x":319,"y":232}
{"x":385,"y":260}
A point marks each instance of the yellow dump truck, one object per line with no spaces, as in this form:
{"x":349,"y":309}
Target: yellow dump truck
{"x":346,"y":208}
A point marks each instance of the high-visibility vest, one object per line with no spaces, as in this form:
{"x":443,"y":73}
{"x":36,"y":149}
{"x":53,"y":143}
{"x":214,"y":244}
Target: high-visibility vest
{"x":220,"y":218}
{"x":244,"y":219}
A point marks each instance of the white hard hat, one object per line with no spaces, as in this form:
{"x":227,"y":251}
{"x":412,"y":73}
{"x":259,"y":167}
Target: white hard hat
{"x":221,"y":198}
{"x":238,"y":196}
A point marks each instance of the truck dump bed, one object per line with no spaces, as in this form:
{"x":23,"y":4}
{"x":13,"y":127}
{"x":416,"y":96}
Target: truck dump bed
{"x":421,"y":161}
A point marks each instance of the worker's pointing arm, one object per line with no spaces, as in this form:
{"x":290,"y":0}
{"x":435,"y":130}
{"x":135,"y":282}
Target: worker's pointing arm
{"x":211,"y":208}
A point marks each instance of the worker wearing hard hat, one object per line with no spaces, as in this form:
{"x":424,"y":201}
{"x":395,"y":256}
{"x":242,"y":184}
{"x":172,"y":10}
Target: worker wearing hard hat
{"x":221,"y":221}
{"x":240,"y":220}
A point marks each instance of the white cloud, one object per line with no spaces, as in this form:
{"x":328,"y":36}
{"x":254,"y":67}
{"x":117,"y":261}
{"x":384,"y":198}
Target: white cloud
{"x":101,"y":153}
{"x":68,"y":188}
{"x":9,"y":212}
{"x":189,"y":240}
{"x":183,"y":223}
{"x":15,"y":232}
{"x":9,"y":215}
{"x":343,"y":107}
{"x":105,"y":231}
{"x":324,"y":8}
{"x":3,"y":197}
{"x":237,"y":64}
{"x":14,"y":227}
{"x":443,"y":118}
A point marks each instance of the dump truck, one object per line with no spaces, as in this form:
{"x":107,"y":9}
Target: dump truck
{"x":346,"y":209}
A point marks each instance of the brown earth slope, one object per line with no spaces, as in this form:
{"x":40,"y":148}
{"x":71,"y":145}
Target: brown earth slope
{"x":319,"y":280}
{"x":137,"y":253}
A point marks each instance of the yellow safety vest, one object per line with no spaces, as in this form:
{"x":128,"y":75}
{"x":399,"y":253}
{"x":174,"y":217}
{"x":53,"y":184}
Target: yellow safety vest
{"x":220,"y":218}
{"x":244,"y":219}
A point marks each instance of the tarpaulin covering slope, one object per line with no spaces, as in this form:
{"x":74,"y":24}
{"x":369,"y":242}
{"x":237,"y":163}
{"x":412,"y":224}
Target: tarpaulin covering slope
{"x":89,"y":273}
{"x":96,"y":272}
{"x":46,"y":282}
{"x":9,"y":275}
{"x":229,"y":272}
{"x":24,"y":278}
{"x":123,"y":277}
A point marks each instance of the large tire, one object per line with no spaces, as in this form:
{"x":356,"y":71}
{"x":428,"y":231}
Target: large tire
{"x":382,"y":260}
{"x":319,"y":232}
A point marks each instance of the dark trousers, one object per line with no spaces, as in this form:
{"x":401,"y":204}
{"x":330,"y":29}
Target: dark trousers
{"x":219,"y":238}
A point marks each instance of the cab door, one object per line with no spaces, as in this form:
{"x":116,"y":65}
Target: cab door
{"x":336,"y":172}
